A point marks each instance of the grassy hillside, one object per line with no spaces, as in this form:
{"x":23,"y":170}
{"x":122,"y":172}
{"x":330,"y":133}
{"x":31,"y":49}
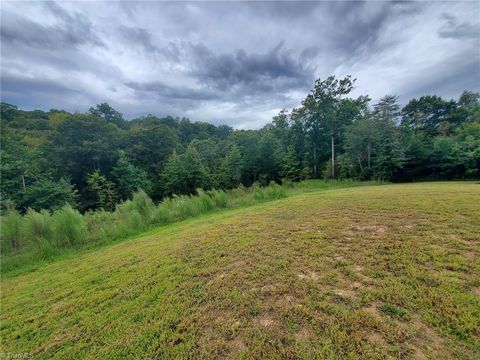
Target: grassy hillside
{"x":366,"y":272}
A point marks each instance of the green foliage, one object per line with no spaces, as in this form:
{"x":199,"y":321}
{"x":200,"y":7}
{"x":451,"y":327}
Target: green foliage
{"x":231,"y":170}
{"x":183,"y":174}
{"x":128,"y":179}
{"x":38,"y":225}
{"x":291,"y":166}
{"x":108,"y":113}
{"x":104,"y":191}
{"x":47,"y":194}
{"x":429,"y":115}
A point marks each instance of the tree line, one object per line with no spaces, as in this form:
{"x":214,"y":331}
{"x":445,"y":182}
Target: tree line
{"x":98,"y":159}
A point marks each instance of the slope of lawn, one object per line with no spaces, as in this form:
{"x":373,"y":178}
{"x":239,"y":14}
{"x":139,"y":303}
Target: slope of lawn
{"x":371,"y":272}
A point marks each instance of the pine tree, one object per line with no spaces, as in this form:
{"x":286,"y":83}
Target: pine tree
{"x":291,"y":166}
{"x":128,"y":178}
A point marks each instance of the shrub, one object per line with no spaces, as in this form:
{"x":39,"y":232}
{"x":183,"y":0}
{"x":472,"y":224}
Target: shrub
{"x":99,"y":224}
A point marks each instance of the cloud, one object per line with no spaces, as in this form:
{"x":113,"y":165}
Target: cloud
{"x":68,"y":31}
{"x":236,"y":63}
{"x":457,"y":30}
{"x":159,"y":90}
{"x":260,"y":72}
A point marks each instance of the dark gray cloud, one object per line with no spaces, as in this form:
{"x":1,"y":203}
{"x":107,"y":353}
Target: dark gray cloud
{"x":158,"y":90}
{"x":273,"y":70}
{"x":455,"y":29}
{"x":69,"y":30}
{"x":231,"y":62}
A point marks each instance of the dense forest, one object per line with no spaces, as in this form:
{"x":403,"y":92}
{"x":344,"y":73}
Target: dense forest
{"x":98,"y":159}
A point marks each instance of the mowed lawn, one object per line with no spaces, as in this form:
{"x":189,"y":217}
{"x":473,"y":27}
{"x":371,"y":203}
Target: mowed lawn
{"x":372,"y":272}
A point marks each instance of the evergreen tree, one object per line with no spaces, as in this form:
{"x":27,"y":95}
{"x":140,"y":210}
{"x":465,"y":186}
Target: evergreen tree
{"x":128,"y":179}
{"x":291,"y":166}
{"x":184,"y":174}
{"x":103,"y":189}
{"x":232,"y":168}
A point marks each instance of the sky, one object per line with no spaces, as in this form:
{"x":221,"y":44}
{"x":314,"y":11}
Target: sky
{"x":234,"y":63}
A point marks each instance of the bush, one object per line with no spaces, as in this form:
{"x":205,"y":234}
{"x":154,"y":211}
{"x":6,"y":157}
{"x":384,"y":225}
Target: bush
{"x":68,"y":227}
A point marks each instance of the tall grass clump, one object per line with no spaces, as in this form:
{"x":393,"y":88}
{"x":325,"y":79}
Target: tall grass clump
{"x":184,"y":206}
{"x":99,"y":224}
{"x":11,"y":231}
{"x":258,"y":193}
{"x":219,"y":198}
{"x":274,"y":191}
{"x":68,"y":227}
{"x":205,"y":201}
{"x":38,"y":227}
{"x":133,"y":216}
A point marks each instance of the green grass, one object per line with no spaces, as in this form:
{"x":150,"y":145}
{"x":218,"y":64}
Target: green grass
{"x":41,"y":237}
{"x":368,"y":272}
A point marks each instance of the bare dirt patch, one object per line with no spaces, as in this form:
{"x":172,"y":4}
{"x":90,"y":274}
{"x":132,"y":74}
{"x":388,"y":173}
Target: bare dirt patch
{"x":308,"y":275}
{"x":376,"y":338}
{"x":302,"y":335}
{"x":356,"y":285}
{"x":375,"y":229}
{"x":237,"y":343}
{"x":428,"y":343}
{"x":265,"y":321}
{"x":373,"y":308}
{"x":476,"y":291}
{"x":345,"y":293}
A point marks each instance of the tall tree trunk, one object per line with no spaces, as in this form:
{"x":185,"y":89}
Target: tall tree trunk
{"x":23,"y":183}
{"x":315,"y":160}
{"x":333,"y":157}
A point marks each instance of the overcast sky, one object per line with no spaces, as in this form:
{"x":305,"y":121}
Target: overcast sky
{"x":235,"y":63}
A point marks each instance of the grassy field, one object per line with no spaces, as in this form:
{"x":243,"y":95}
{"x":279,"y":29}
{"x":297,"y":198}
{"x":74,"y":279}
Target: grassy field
{"x":374,"y":272}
